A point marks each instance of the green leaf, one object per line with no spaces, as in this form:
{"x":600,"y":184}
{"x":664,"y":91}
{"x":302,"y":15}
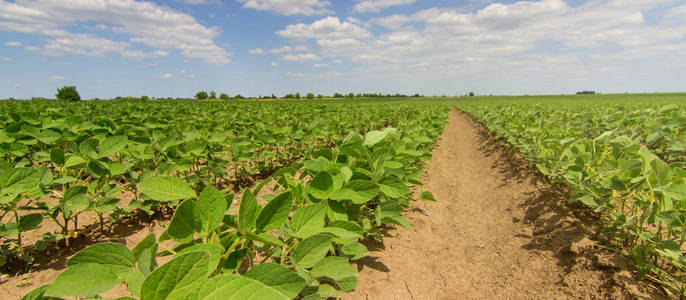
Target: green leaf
{"x":75,"y":161}
{"x":30,"y":221}
{"x":308,"y":220}
{"x":112,"y":255}
{"x":180,"y":272}
{"x":215,"y":251}
{"x":337,"y":269}
{"x":134,"y":282}
{"x":393,"y":187}
{"x":311,"y":250}
{"x":248,"y":211}
{"x":145,"y":253}
{"x":275,"y":213}
{"x":321,"y":185}
{"x":358,"y":191}
{"x":75,"y":199}
{"x":181,"y":227}
{"x":57,"y":156}
{"x":354,"y":250}
{"x":19,"y":180}
{"x":112,"y":145}
{"x":427,"y":196}
{"x":663,"y":172}
{"x":86,"y":279}
{"x":279,"y":278}
{"x":374,"y":137}
{"x":98,"y":168}
{"x":38,"y":294}
{"x":209,"y":210}
{"x":236,"y":287}
{"x":167,"y":188}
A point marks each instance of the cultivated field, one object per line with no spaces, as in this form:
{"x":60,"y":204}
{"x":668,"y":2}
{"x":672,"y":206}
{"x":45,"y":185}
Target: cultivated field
{"x":538,"y":197}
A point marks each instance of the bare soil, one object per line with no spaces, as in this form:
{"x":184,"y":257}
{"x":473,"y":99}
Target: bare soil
{"x":498,"y":231}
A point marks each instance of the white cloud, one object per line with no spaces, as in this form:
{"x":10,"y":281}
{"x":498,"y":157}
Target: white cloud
{"x":274,"y":64}
{"x":284,"y":49}
{"x":320,"y":65}
{"x":367,"y":6}
{"x":301,"y":57}
{"x":13,"y":44}
{"x":153,"y":65}
{"x":291,"y":74}
{"x":327,"y":28}
{"x":56,"y":77}
{"x":338,"y":61}
{"x":290,"y":7}
{"x":182,"y":72}
{"x":191,"y":76}
{"x":5,"y":58}
{"x":167,"y":76}
{"x":137,"y":54}
{"x":146,"y":23}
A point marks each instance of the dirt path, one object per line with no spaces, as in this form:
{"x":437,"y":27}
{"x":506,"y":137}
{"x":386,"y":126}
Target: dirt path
{"x":497,"y":232}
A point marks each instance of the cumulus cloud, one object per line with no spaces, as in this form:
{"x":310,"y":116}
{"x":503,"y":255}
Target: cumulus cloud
{"x":498,"y":36}
{"x":13,"y":44}
{"x":369,"y":6}
{"x":301,"y":57}
{"x":56,"y":77}
{"x":146,"y":23}
{"x":291,"y":74}
{"x":5,"y":58}
{"x":167,"y":76}
{"x":290,"y":7}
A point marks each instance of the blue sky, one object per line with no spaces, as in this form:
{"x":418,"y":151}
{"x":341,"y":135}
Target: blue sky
{"x":111,"y":48}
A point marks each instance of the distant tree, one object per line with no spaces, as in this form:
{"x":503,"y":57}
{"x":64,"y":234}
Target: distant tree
{"x":144,"y":98}
{"x":351,"y":95}
{"x":310,"y":96}
{"x":201,"y":95}
{"x":338,"y":95}
{"x":320,"y":96}
{"x":224,"y":96}
{"x":297,"y":95}
{"x":471,"y":94}
{"x":213,"y":95}
{"x":68,"y":93}
{"x":586,"y":93}
{"x":238,"y":96}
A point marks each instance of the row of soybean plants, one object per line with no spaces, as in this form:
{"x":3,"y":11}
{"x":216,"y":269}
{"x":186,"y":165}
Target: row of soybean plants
{"x":625,"y":161}
{"x":300,"y":244}
{"x":59,"y":160}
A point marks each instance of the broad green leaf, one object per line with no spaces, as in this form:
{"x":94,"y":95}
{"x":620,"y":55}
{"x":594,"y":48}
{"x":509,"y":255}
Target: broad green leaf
{"x":393,"y":187}
{"x":214,"y":250}
{"x":57,"y":156}
{"x":355,"y":250}
{"x":275,"y":213}
{"x":181,"y":271}
{"x":30,"y":221}
{"x":19,"y":180}
{"x":112,"y":145}
{"x":134,"y":282}
{"x":75,"y":161}
{"x":248,"y":211}
{"x":144,"y":253}
{"x":112,"y":255}
{"x":181,"y":227}
{"x":38,"y":294}
{"x":337,"y":269}
{"x":86,"y":279}
{"x":167,"y":188}
{"x":311,"y":250}
{"x":279,"y":278}
{"x":321,"y":185}
{"x":358,"y":191}
{"x":209,"y":210}
{"x":374,"y":137}
{"x":75,"y":199}
{"x":236,"y":287}
{"x":308,"y":220}
{"x":663,"y":172}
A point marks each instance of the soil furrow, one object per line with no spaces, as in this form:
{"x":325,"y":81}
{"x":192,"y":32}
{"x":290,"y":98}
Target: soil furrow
{"x":496,"y":232}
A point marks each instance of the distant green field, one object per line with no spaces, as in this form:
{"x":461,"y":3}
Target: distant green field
{"x":663,"y":98}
